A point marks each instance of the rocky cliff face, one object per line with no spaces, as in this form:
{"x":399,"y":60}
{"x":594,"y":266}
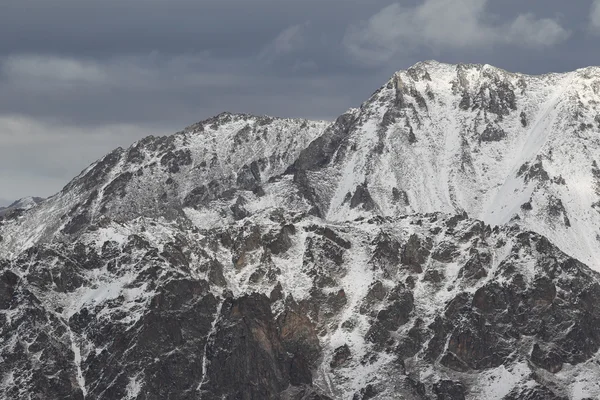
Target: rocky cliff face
{"x":437,"y":243}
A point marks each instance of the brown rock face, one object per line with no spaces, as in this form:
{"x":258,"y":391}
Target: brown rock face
{"x":253,"y":356}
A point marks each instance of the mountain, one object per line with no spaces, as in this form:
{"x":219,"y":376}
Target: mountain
{"x":439,"y":242}
{"x":472,"y":138}
{"x":26,"y":203}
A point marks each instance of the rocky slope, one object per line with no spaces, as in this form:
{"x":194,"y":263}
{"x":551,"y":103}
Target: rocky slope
{"x":439,"y":242}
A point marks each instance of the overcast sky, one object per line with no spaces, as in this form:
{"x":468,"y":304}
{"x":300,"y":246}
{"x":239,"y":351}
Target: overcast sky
{"x":79,"y":78}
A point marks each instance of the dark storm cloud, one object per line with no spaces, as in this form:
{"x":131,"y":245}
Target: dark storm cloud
{"x":80,"y":78}
{"x":227,"y":27}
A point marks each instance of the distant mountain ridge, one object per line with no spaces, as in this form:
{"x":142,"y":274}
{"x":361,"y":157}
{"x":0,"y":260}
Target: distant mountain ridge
{"x":441,"y":241}
{"x":25,"y":203}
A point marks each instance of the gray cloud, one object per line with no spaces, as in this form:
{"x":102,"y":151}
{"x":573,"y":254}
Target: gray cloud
{"x":288,"y":41}
{"x":529,"y":31}
{"x":441,"y":24}
{"x":167,"y":89}
{"x":80,"y":78}
{"x":22,"y":69}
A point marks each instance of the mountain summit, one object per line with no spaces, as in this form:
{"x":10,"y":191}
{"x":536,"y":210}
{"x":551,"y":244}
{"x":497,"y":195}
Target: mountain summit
{"x":473,"y":138}
{"x":442,"y":241}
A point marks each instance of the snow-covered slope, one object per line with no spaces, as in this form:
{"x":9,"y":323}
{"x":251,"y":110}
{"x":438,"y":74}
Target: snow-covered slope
{"x":474,"y":138}
{"x":161,"y":176}
{"x":435,"y":243}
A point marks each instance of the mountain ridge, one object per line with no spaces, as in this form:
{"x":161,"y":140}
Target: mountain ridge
{"x":256,"y":257}
{"x":22,"y":204}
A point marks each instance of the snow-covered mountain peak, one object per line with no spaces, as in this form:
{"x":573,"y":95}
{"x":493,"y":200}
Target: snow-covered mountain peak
{"x":473,"y":138}
{"x":162,"y":176}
